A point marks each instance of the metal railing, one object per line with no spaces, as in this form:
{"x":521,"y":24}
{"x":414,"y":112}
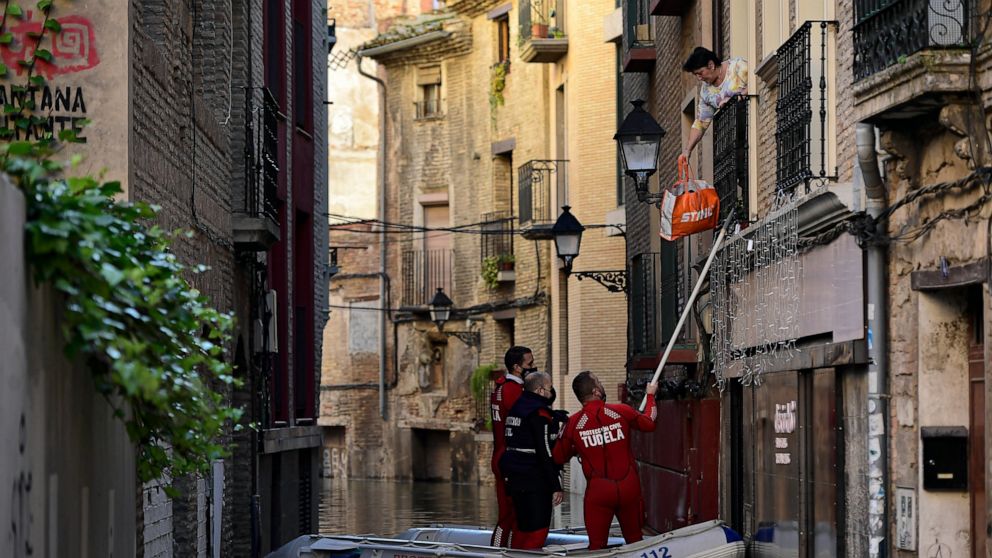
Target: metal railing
{"x":730,"y":173}
{"x":644,"y":276}
{"x":657,"y":287}
{"x":801,"y":133}
{"x":423,"y":272}
{"x":886,"y":31}
{"x":483,"y":409}
{"x":540,"y":19}
{"x":535,"y":179}
{"x":497,"y":240}
{"x":261,"y":156}
{"x":430,"y":108}
{"x":640,"y":29}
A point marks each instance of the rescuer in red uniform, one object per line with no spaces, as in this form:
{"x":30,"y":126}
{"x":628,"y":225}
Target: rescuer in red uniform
{"x":532,"y":477}
{"x":600,"y":435}
{"x":519,"y":362}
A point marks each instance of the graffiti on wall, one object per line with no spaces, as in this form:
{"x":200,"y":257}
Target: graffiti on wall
{"x":20,"y":502}
{"x":73,"y":50}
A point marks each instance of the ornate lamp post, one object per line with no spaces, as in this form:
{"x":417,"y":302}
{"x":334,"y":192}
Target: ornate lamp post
{"x":440,"y":310}
{"x":567,"y":233}
{"x":639,"y":139}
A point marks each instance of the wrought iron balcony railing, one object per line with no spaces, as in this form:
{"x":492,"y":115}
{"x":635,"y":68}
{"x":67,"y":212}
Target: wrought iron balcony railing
{"x":886,"y":31}
{"x":801,"y":110}
{"x":497,"y":240}
{"x":540,"y":19}
{"x":430,"y":108}
{"x":657,"y":289}
{"x":261,"y":157}
{"x":535,"y":180}
{"x":640,"y":31}
{"x":644,"y":276}
{"x":730,"y":173}
{"x":423,"y":272}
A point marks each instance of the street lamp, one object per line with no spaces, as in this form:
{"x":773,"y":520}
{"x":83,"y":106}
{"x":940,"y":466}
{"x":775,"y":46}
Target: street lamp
{"x":568,"y":235}
{"x":639,"y":138}
{"x":440,"y":308}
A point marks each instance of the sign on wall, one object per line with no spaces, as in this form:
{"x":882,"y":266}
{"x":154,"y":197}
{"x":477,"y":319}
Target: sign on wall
{"x":87,"y":78}
{"x":905,"y":518}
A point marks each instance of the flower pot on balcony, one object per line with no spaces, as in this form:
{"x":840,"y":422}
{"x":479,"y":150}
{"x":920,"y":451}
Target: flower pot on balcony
{"x":506,"y":266}
{"x":539,"y":31}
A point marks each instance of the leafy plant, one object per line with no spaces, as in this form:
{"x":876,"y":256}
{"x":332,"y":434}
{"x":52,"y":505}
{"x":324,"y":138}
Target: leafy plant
{"x":497,"y":83}
{"x":153,"y":344}
{"x":479,"y":383}
{"x":491,"y":266}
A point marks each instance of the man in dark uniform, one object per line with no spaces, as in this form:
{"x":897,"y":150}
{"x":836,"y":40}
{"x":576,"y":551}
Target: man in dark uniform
{"x":600,"y":435}
{"x":519,"y":362}
{"x":532,"y":478}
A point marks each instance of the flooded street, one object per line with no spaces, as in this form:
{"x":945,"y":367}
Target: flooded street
{"x":390,"y":507}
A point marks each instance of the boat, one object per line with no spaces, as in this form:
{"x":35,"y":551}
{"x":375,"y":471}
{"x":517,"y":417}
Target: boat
{"x":711,"y":539}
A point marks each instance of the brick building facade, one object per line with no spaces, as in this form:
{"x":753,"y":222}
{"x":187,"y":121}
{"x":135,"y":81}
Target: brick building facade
{"x":187,"y":115}
{"x":826,"y":430}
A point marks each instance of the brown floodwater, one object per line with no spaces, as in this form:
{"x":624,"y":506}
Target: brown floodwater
{"x":387,"y":508}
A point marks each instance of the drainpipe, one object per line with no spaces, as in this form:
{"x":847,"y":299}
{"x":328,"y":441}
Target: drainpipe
{"x":382,"y":236}
{"x":878,"y":380}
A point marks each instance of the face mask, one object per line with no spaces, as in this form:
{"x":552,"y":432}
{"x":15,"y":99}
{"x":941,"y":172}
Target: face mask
{"x":526,"y":371}
{"x":553,"y":396}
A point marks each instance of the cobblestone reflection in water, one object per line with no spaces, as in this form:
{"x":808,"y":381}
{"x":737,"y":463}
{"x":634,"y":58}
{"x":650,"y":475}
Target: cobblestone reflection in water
{"x":391,"y":507}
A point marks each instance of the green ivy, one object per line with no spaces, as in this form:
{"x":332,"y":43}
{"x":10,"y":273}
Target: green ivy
{"x":497,"y":83}
{"x":153,"y":344}
{"x":479,"y":383}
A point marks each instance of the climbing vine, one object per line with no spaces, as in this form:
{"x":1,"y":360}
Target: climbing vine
{"x":153,"y":344}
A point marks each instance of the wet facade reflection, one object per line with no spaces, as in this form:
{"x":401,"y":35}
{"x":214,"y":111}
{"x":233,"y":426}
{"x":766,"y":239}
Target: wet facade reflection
{"x":390,"y":507}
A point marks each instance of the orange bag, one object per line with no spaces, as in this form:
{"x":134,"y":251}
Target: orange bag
{"x":689,"y":207}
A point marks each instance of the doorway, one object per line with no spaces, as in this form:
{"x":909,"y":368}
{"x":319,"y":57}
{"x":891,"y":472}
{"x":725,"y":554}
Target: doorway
{"x":976,"y":427}
{"x":431,"y":455}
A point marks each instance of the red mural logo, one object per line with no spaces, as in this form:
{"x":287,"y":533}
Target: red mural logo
{"x":73,"y":49}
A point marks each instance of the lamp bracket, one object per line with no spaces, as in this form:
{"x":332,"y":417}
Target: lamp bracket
{"x":470,"y":338}
{"x":615,"y":281}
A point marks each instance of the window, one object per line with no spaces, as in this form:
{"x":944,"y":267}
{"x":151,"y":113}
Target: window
{"x":274,"y":48}
{"x":503,"y":40}
{"x":429,"y":86}
{"x":427,"y":6}
{"x":302,"y":67}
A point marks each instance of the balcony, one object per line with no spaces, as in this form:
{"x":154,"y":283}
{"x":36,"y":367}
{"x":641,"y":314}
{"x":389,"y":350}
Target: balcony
{"x":256,"y":226}
{"x":644,"y":302}
{"x":424,"y":271}
{"x":730,"y":173}
{"x":535,"y":179}
{"x":909,"y":56}
{"x":542,"y":31}
{"x":802,"y":135}
{"x":497,"y":245}
{"x":657,"y":289}
{"x":429,"y":109}
{"x":639,"y":56}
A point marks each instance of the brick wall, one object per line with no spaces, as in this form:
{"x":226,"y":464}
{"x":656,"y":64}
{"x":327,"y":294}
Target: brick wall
{"x":191,"y":68}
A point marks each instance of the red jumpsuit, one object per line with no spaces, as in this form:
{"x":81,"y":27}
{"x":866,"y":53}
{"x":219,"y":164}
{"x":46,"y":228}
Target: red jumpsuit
{"x":600,"y":435}
{"x":507,"y":391}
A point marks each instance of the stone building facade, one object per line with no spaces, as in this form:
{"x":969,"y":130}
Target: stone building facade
{"x":191,"y":111}
{"x":846,"y":322}
{"x":492,"y":127}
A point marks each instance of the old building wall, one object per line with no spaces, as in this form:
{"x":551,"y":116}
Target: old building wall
{"x":596,"y":317}
{"x":928,"y":351}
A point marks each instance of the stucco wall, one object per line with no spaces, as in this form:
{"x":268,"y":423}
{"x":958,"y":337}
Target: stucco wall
{"x":68,"y":473}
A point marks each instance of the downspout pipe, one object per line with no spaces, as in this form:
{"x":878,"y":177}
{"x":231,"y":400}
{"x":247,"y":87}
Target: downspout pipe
{"x":381,"y":171}
{"x":878,"y":366}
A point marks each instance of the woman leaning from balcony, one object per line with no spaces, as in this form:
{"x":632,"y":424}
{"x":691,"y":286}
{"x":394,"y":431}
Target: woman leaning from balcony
{"x":720,"y":82}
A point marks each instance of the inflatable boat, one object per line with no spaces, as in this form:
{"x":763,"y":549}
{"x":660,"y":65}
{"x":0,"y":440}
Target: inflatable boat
{"x":712,"y":539}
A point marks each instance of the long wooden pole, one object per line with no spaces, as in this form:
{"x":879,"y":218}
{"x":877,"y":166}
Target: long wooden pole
{"x":688,"y":306}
